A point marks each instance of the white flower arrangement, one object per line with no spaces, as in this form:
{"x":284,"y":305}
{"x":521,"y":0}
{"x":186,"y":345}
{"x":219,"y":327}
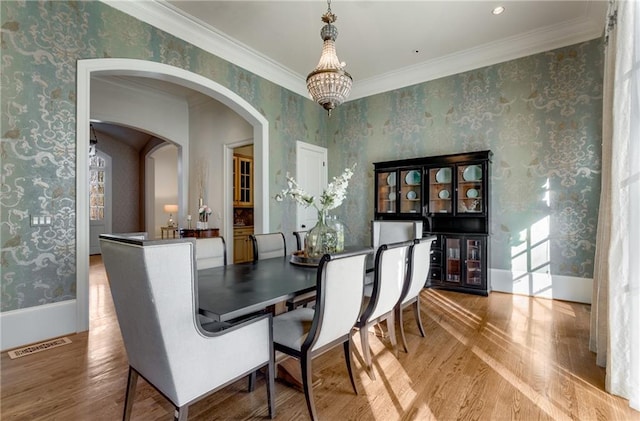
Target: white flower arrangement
{"x":204,"y":213}
{"x":331,"y":197}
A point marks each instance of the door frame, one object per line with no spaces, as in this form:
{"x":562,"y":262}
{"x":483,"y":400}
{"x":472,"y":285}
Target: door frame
{"x":170,"y":74}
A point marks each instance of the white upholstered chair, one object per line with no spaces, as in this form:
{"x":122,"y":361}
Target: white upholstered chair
{"x":267,"y":246}
{"x":418,"y":265}
{"x":382,"y":296}
{"x":387,"y":232}
{"x":154,"y":289}
{"x":211,"y":252}
{"x":306,"y":333}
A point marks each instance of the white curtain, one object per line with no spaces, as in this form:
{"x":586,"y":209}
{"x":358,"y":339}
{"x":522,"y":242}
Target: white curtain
{"x":615,"y":314}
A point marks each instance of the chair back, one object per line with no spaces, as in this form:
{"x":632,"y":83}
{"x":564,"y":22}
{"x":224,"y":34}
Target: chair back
{"x":301,"y":236}
{"x":211,"y":252}
{"x":267,"y":246}
{"x":389,"y":279}
{"x":388,"y":232}
{"x":339,"y":289}
{"x":154,"y":290}
{"x":418,"y":265}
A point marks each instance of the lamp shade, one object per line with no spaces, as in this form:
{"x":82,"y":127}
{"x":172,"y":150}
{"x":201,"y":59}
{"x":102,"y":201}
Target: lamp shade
{"x":171,"y":208}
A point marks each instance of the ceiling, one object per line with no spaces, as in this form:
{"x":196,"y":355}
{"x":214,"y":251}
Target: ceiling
{"x":385,"y":44}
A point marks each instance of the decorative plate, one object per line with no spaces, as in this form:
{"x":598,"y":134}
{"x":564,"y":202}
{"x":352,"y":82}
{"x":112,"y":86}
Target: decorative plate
{"x":443,"y":175}
{"x":411,"y":195}
{"x":391,"y":179}
{"x":392,"y":196}
{"x":412,"y":178}
{"x":472,"y":173}
{"x":444,"y":194}
{"x":472,"y":193}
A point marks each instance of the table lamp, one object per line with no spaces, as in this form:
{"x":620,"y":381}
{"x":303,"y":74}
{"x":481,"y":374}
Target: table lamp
{"x":171,"y":209}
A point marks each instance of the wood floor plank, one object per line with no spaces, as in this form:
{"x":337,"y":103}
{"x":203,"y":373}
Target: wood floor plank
{"x":483,"y":358}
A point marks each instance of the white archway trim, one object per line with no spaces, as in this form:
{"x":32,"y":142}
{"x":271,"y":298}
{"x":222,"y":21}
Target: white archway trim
{"x":141,"y":68}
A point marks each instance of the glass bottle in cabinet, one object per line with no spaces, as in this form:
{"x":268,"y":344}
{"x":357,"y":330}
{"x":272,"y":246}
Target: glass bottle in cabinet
{"x":470,"y":194}
{"x":440,"y":190}
{"x":410,"y":190}
{"x":387,"y":191}
{"x":474,"y":261}
{"x":453,"y":260}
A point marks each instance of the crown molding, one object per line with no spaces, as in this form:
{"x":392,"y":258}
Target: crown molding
{"x":165,"y":17}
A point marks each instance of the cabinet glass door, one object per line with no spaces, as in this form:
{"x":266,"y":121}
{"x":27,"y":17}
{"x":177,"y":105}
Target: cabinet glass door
{"x":387,"y":192}
{"x":440,"y":190}
{"x":470,"y":189}
{"x":454,"y":273}
{"x":474,"y":262}
{"x":410,"y":190}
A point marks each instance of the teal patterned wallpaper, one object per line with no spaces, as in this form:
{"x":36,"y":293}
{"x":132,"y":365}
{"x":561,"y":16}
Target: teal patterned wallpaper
{"x":41,"y":43}
{"x":540,"y":115}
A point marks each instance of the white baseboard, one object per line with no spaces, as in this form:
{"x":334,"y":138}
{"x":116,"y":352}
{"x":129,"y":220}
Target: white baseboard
{"x":568,"y":288}
{"x":36,"y":324}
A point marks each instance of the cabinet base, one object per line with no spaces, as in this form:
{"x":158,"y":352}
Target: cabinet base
{"x":481,"y":292}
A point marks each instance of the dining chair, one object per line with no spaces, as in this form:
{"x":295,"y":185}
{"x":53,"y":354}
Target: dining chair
{"x":382,"y":296}
{"x":300,"y":238}
{"x":305,"y":333}
{"x":154,"y":290}
{"x":387,"y":232}
{"x":266,"y":246}
{"x":417,"y":273}
{"x":210,"y":252}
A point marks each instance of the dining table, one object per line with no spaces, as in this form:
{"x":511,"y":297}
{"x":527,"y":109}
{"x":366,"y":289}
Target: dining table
{"x":229,"y":292}
{"x":226,"y":293}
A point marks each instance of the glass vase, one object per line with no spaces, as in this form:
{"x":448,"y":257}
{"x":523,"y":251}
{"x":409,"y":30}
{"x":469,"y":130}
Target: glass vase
{"x":321,"y":239}
{"x":337,"y":225}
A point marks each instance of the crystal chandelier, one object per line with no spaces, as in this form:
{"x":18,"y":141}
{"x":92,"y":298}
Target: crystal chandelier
{"x":328,"y":84}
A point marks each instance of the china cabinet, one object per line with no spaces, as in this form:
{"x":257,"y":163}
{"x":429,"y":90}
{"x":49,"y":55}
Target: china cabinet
{"x":450,"y":193}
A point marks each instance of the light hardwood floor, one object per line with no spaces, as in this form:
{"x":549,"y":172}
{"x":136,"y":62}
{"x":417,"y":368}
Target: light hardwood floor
{"x":484,"y":358}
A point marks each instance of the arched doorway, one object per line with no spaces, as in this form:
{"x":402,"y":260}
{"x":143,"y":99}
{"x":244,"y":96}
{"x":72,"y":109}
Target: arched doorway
{"x":169,"y":74}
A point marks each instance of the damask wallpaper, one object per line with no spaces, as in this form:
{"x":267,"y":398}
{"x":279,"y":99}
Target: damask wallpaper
{"x":540,"y":115}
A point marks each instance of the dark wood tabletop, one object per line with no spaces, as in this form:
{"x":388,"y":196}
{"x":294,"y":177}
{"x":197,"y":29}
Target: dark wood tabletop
{"x":232,"y":291}
{"x":228,"y":292}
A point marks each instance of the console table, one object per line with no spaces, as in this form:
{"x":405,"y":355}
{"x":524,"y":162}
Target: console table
{"x":200,"y":233}
{"x":169,"y":231}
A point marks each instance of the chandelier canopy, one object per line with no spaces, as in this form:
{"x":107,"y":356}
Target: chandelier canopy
{"x":328,"y":84}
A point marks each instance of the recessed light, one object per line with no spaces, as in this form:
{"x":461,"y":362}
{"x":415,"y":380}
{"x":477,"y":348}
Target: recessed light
{"x":497,"y":10}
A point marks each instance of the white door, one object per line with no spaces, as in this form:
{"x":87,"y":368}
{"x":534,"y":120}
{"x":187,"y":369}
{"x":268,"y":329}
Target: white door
{"x":99,"y":199}
{"x":311,"y":175}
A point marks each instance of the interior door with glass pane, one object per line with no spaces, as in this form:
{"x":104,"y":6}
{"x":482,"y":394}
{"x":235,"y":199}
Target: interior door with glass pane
{"x":99,"y":199}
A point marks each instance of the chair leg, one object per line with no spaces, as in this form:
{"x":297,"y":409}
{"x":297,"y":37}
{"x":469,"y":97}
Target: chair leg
{"x":130,"y":393}
{"x":391,"y":327}
{"x":416,"y":311}
{"x":307,"y":385}
{"x":181,"y":413}
{"x":271,"y":374}
{"x":252,"y":381}
{"x":401,"y":328}
{"x":366,"y":352}
{"x":347,"y":356}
